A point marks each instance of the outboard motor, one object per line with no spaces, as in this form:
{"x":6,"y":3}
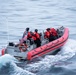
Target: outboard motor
{"x":11,"y":44}
{"x":60,"y":31}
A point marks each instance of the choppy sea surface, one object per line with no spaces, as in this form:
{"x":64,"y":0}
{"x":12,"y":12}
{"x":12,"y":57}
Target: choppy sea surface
{"x":16,"y":15}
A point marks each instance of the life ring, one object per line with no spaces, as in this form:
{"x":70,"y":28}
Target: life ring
{"x":23,"y":47}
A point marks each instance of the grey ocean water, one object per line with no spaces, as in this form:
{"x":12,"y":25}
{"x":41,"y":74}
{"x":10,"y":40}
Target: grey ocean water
{"x":16,"y":15}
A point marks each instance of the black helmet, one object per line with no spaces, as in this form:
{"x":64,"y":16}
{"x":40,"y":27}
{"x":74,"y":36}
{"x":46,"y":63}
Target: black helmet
{"x":48,"y":29}
{"x":24,"y":42}
{"x":27,"y":29}
{"x":36,"y":30}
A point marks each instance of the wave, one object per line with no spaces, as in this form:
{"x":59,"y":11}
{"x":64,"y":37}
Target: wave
{"x":8,"y":66}
{"x":18,"y":71}
{"x":6,"y":59}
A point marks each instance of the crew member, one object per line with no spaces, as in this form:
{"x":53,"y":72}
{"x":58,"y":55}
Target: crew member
{"x":34,"y":38}
{"x":29,"y":36}
{"x":53,"y":33}
{"x":37,"y":36}
{"x":47,"y":34}
{"x":25,"y":32}
{"x":24,"y":37}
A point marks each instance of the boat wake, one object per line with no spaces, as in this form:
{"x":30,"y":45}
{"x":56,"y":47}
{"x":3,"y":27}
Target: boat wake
{"x":46,"y":64}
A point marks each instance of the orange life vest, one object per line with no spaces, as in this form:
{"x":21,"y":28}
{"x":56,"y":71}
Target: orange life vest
{"x":33,"y":37}
{"x":47,"y":34}
{"x":53,"y":31}
{"x":37,"y":35}
{"x":29,"y":35}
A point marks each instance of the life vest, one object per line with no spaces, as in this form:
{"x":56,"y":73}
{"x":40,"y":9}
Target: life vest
{"x":34,"y":38}
{"x":29,"y":35}
{"x":53,"y":31}
{"x":37,"y":35}
{"x":47,"y":34}
{"x":22,"y":47}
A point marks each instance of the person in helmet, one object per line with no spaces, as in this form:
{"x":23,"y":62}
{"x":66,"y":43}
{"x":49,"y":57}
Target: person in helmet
{"x":25,"y":32}
{"x":37,"y":40}
{"x":24,"y":37}
{"x":29,"y":37}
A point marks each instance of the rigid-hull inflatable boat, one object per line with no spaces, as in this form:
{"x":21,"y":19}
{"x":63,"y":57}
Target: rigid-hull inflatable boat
{"x":46,"y":47}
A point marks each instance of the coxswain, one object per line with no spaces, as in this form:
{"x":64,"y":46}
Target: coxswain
{"x":25,"y":32}
{"x":24,"y":37}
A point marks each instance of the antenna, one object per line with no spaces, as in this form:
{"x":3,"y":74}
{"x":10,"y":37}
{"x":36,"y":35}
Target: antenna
{"x":7,"y":33}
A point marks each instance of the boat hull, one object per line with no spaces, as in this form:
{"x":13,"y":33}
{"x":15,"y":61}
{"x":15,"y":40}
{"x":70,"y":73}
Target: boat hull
{"x":50,"y":47}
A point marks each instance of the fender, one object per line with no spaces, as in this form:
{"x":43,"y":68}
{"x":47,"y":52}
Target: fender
{"x":3,"y":51}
